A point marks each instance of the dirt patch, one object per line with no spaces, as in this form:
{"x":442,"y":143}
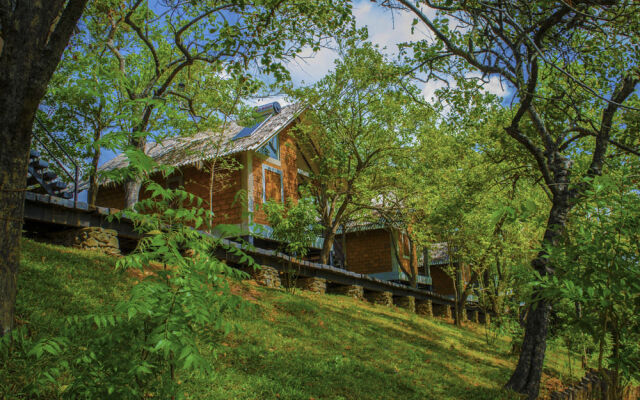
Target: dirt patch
{"x":245,"y":291}
{"x":149,"y":270}
{"x":549,"y":385}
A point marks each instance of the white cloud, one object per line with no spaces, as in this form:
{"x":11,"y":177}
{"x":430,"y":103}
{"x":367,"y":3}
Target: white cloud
{"x":387,"y":29}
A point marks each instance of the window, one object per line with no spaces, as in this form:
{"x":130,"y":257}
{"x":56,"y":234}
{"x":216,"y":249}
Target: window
{"x":272,"y":186}
{"x":271,"y":149}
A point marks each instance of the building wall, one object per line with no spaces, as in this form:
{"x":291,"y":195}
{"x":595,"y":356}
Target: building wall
{"x":369,"y":252}
{"x":227,"y":205}
{"x":287,"y":165}
{"x":111,"y":196}
{"x":441,"y":282}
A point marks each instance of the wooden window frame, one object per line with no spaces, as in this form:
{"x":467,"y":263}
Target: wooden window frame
{"x":264,"y":182}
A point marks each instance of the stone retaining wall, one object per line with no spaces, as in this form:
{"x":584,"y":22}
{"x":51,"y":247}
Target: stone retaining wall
{"x":442,"y":310}
{"x":355,"y":291}
{"x":316,"y":285}
{"x":92,"y":238}
{"x":406,"y":302}
{"x":594,"y":386}
{"x":267,"y":276}
{"x":381,"y":298}
{"x":424,"y":308}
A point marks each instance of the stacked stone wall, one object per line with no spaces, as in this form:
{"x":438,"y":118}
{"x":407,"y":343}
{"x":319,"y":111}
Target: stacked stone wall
{"x":406,"y":302}
{"x":424,"y":308}
{"x":92,"y":238}
{"x":380,"y":298}
{"x":595,"y":386}
{"x":354,"y":291}
{"x":267,"y":276}
{"x":316,"y":285}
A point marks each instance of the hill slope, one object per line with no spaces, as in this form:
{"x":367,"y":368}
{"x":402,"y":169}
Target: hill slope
{"x":287,"y":346}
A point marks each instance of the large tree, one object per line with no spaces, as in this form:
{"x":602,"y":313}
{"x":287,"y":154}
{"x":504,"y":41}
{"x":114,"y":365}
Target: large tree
{"x":359,"y":120}
{"x":571,"y":67}
{"x":33,"y":35}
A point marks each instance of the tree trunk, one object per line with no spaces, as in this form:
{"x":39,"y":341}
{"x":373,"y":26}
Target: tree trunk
{"x":526,"y":377}
{"x":132,"y":192}
{"x":34,"y":35}
{"x":15,"y":133}
{"x":93,"y":178}
{"x":329,"y":237}
{"x":413,"y":263}
{"x":457,"y":295}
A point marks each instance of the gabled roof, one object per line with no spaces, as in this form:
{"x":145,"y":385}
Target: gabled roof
{"x":207,"y":145}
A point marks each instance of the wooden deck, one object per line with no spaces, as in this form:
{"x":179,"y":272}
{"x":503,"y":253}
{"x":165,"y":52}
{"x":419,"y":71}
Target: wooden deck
{"x":46,"y":212}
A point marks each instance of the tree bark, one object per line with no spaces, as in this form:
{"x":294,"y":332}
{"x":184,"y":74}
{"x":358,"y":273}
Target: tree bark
{"x":34,"y":35}
{"x":329,"y":237}
{"x":132,"y":192}
{"x":133,"y":185}
{"x":93,"y":178}
{"x":526,"y":377}
{"x":457,"y":287}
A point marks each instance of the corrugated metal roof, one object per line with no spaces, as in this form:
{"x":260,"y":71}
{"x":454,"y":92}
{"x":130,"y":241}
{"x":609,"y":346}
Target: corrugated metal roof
{"x":207,"y":145}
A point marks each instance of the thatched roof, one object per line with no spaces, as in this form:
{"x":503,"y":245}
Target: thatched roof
{"x":208,"y":145}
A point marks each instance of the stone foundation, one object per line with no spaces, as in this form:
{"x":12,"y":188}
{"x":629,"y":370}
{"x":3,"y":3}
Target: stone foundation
{"x":442,"y":310}
{"x":355,"y":291}
{"x":267,"y":276}
{"x":381,"y":298}
{"x":406,"y":302}
{"x":473,"y":316}
{"x":316,"y":285}
{"x":92,"y":238}
{"x":464,"y":315}
{"x":424,"y":308}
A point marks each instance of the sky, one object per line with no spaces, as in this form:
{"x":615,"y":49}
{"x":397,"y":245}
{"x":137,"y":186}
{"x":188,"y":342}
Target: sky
{"x":386,"y":29}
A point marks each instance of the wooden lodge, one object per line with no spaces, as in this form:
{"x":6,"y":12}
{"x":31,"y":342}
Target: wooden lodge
{"x":262,"y":161}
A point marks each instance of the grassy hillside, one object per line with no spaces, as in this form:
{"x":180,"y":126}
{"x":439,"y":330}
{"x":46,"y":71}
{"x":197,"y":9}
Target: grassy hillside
{"x":300,"y":346}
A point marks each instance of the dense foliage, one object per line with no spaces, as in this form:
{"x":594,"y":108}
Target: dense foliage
{"x":534,"y":195}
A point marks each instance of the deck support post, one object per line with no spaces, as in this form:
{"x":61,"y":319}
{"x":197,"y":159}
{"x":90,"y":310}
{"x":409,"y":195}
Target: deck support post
{"x":267,"y":276}
{"x":355,"y":291}
{"x":315,"y":285}
{"x":380,"y":298}
{"x":424,"y":307}
{"x":406,"y":302}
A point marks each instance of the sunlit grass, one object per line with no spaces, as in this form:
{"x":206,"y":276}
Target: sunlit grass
{"x":290,"y":346}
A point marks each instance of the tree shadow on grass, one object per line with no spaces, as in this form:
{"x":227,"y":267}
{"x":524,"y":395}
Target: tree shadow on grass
{"x":354,"y":357}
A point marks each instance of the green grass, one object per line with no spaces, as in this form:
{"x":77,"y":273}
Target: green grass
{"x":286,"y":346}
